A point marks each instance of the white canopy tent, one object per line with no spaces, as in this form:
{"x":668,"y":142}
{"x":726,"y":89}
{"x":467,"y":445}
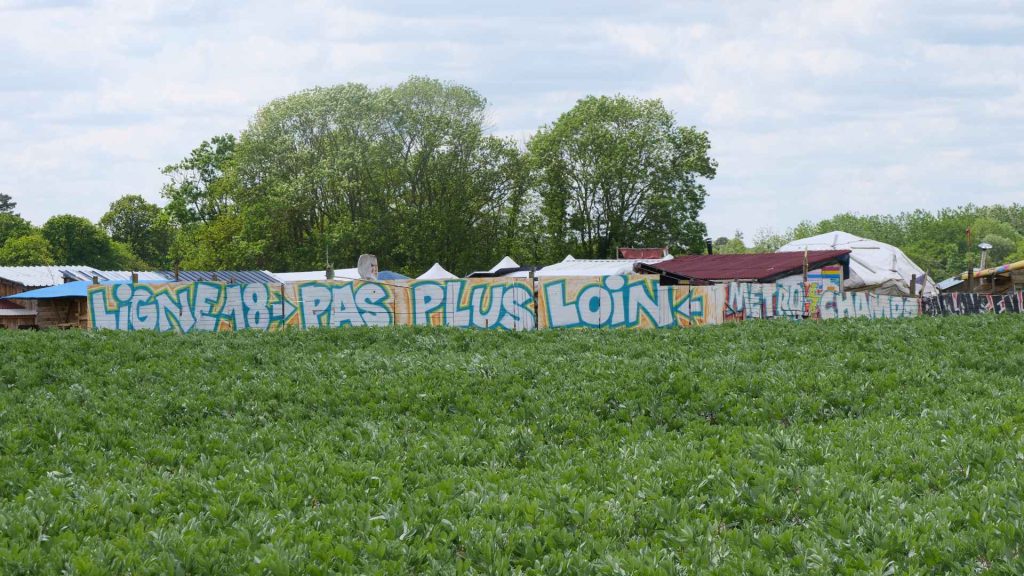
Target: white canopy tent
{"x":874,"y":266}
{"x":505,"y":263}
{"x":436,"y":272}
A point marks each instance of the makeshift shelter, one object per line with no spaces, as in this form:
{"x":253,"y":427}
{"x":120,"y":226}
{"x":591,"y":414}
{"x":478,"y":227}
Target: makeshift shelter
{"x":436,"y":272}
{"x":703,"y":269}
{"x":17,"y":312}
{"x":875,"y":266}
{"x":995,"y":280}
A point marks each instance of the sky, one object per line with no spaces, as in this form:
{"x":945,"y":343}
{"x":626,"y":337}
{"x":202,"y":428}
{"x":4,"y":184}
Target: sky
{"x":813,"y":108}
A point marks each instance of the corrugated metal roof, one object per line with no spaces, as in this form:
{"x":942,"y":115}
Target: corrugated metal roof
{"x":750,"y":267}
{"x":40,"y":276}
{"x":339,"y":274}
{"x":232,"y":276}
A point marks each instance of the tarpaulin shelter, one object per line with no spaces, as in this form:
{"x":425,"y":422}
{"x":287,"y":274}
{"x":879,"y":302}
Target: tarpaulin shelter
{"x":875,"y":266}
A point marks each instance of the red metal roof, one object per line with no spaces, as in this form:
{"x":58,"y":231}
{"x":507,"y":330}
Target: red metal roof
{"x":642,"y":253}
{"x":751,"y":267}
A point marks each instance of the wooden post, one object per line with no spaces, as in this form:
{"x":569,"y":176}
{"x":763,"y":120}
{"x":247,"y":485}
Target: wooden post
{"x":913,"y":285}
{"x":95,"y":280}
{"x":135,"y":277}
{"x":533,"y":288}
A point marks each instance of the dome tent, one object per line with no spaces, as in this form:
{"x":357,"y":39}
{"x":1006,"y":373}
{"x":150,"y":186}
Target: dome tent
{"x":874,"y":266}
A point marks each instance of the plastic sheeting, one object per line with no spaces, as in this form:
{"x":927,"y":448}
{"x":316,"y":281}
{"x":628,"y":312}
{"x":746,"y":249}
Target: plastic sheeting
{"x":875,"y":266}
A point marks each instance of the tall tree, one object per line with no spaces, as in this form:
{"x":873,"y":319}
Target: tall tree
{"x":142,"y":226}
{"x":7,"y":204}
{"x":13,"y":226}
{"x":77,"y":241}
{"x":202,"y":185}
{"x":618,"y":171}
{"x":407,"y":173}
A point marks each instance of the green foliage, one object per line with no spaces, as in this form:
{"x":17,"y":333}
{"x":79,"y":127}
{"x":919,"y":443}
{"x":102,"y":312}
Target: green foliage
{"x":406,"y":173}
{"x":935,"y":241}
{"x":77,"y":241}
{"x":843,"y":447}
{"x":618,"y":171}
{"x":7,"y":204}
{"x":734,"y":245}
{"x":143,"y":228}
{"x":219,"y":245}
{"x":13,"y":226}
{"x":30,"y":250}
{"x":202,"y":185}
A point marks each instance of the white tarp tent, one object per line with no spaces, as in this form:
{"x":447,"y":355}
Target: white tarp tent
{"x":436,"y":272}
{"x":874,"y":266}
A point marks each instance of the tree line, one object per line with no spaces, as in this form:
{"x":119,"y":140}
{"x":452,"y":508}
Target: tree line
{"x":937,"y":241}
{"x":410,"y":173}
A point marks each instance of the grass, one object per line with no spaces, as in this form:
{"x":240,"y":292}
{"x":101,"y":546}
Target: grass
{"x":762,"y":447}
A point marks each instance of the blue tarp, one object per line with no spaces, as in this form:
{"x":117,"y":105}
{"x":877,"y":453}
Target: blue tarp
{"x":77,"y":289}
{"x":389,"y":275}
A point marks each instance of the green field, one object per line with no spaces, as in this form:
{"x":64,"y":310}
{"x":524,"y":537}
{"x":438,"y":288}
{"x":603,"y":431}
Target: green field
{"x":764,"y":447}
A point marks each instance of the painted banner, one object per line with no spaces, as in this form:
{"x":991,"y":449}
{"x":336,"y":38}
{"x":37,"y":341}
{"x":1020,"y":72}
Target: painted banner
{"x":627,"y":301}
{"x":962,"y":303}
{"x":213,"y":307}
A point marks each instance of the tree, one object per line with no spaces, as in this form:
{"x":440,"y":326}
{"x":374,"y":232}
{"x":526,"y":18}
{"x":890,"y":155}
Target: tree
{"x":618,"y":171}
{"x":406,"y":173}
{"x":141,"y":226}
{"x":202,"y":185}
{"x":77,"y":241}
{"x":732,"y":245}
{"x":30,"y":250}
{"x":7,"y":205}
{"x":13,"y":226}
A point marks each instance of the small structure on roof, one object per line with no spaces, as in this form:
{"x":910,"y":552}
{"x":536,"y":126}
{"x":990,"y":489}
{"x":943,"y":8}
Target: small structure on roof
{"x":827,"y":267}
{"x":874,"y":266}
{"x":643,"y":253}
{"x":436,"y":272}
